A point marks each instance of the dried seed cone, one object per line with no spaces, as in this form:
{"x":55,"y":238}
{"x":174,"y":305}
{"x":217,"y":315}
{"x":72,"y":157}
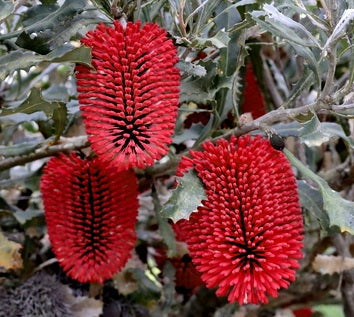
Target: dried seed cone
{"x":246,"y":238}
{"x":91,"y":213}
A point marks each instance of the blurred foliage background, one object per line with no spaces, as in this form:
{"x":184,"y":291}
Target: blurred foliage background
{"x":300,"y":55}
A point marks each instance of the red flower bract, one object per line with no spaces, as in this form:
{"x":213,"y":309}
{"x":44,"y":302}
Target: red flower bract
{"x":253,"y":100}
{"x":91,"y":213}
{"x":130,"y":99}
{"x":247,"y":236}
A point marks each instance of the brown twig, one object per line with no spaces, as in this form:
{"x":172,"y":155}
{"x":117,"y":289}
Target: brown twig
{"x":67,"y":144}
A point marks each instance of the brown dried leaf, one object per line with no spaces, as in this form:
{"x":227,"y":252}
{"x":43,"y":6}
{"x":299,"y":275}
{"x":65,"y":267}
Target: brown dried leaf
{"x":330,"y":264}
{"x":10,"y":257}
{"x":87,"y":307}
{"x":124,"y":281}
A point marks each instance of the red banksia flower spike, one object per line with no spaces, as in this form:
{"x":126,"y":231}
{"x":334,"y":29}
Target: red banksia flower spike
{"x":246,"y":239}
{"x":253,"y":100}
{"x":91,"y":213}
{"x":130,"y":100}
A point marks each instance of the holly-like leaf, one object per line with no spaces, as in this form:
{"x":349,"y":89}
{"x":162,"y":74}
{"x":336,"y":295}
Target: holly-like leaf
{"x":34,"y":43}
{"x":311,"y":199}
{"x":287,"y":129}
{"x":6,"y":8}
{"x":34,"y":103}
{"x":192,"y":133}
{"x":59,"y":117}
{"x":185,"y":198}
{"x":37,"y":13}
{"x":191,"y":68}
{"x":10,"y":257}
{"x":23,"y":59}
{"x":315,"y":133}
{"x":62,"y":16}
{"x":220,"y":40}
{"x":340,"y":211}
{"x":165,"y":229}
{"x":293,"y":33}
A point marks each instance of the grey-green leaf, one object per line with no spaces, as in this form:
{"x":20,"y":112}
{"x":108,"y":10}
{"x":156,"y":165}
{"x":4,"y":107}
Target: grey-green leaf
{"x":311,"y":199}
{"x":340,"y":211}
{"x":191,"y":68}
{"x":165,"y":229}
{"x":315,"y":133}
{"x":34,"y":103}
{"x":6,"y":8}
{"x":22,"y":59}
{"x":59,"y":117}
{"x":185,"y":198}
{"x":18,"y":149}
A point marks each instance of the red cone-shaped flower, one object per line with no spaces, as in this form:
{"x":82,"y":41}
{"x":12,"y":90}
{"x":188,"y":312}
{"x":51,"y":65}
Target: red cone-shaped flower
{"x":130,"y":99}
{"x":91,"y":213}
{"x":253,"y":100}
{"x":246,"y":238}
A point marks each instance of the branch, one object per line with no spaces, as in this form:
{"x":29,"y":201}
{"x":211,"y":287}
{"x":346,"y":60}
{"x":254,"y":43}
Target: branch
{"x":276,"y":116}
{"x":75,"y":143}
{"x":67,"y":144}
{"x":269,"y":118}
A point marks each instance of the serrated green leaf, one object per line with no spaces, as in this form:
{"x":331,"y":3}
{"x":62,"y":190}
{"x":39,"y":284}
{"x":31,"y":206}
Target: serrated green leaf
{"x":227,"y":18}
{"x":37,"y":13}
{"x":289,"y":28}
{"x":59,"y":117}
{"x":299,"y":45}
{"x":292,"y":128}
{"x":228,"y":56}
{"x":33,"y":104}
{"x":6,"y":8}
{"x":191,"y":68}
{"x":21,"y":59}
{"x":65,"y":13}
{"x":191,"y":91}
{"x":340,"y":211}
{"x":341,"y":27}
{"x":35,"y":44}
{"x":56,"y":93}
{"x":185,"y":198}
{"x":220,"y":40}
{"x":192,"y":133}
{"x":206,"y":130}
{"x":22,"y":216}
{"x":165,"y":229}
{"x":311,"y":199}
{"x":315,"y":133}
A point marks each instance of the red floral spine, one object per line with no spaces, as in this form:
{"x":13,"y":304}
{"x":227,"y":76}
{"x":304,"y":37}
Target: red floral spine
{"x":91,"y":213}
{"x":129,"y":100}
{"x":253,"y":100}
{"x":246,"y":238}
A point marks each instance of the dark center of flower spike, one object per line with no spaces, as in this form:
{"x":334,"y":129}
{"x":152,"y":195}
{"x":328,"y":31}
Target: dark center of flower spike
{"x":90,"y":220}
{"x":130,"y":130}
{"x":248,"y":255}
